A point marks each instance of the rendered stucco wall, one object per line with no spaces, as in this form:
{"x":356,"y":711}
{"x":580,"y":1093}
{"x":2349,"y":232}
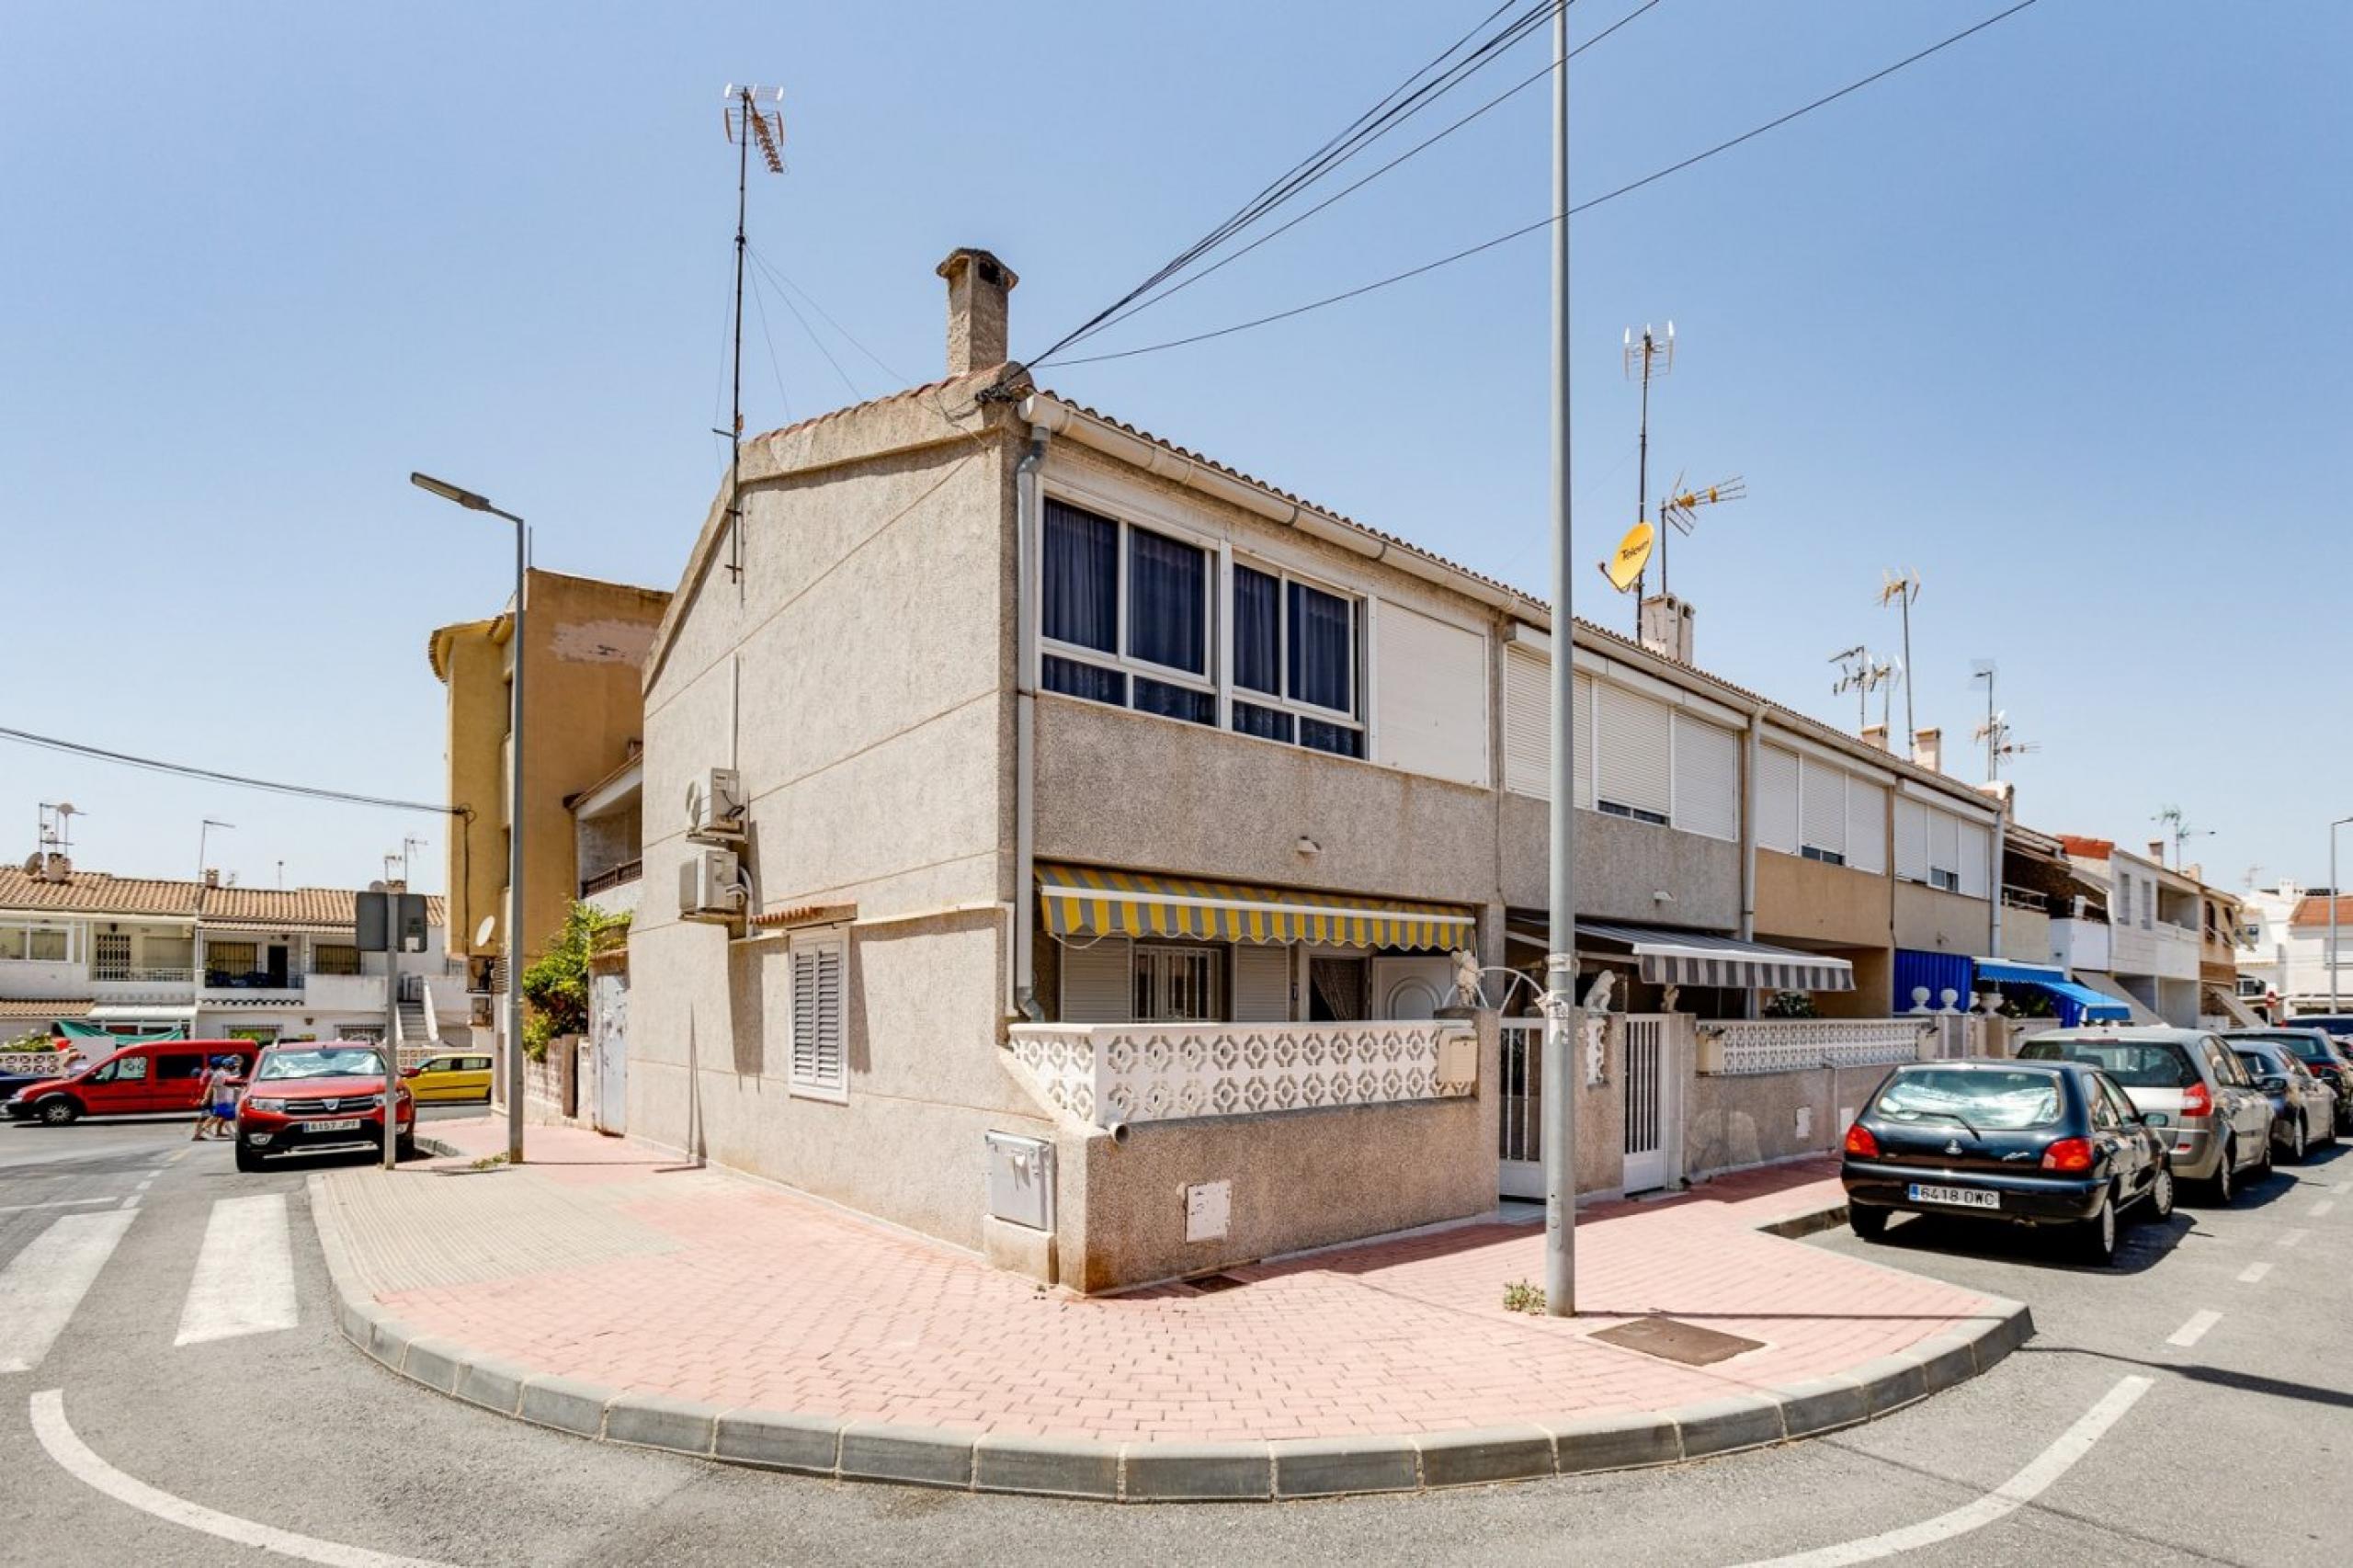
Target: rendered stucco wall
{"x":1621,"y":863}
{"x":1750,"y":1119}
{"x":1930,"y":920}
{"x":1804,"y":899}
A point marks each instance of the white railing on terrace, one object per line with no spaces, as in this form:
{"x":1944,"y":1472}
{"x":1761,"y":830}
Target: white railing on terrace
{"x":1107,"y":1074}
{"x":1788,"y":1045}
{"x":153,"y":974}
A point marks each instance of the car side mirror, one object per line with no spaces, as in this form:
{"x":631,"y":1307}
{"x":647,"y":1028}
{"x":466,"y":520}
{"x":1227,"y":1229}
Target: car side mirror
{"x":410,"y":1072}
{"x":2271,"y":1085}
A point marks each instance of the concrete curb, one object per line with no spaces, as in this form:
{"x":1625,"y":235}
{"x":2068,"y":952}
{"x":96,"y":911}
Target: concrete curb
{"x":1173,"y":1472}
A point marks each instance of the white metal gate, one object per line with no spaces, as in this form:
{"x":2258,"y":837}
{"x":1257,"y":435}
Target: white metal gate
{"x":1522,"y":1172}
{"x":1649,"y":1077}
{"x":608,"y":1034}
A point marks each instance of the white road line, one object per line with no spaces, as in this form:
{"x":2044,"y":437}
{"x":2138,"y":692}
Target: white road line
{"x":245,"y":1272}
{"x":45,"y":1282}
{"x":69,"y":1451}
{"x":2193,"y":1331}
{"x":2253,"y":1274}
{"x":2320,"y":1210}
{"x":2292,"y":1238}
{"x":54,"y":1203}
{"x":2003,"y":1501}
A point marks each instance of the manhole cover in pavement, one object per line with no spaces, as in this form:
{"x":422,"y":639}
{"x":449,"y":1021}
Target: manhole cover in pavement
{"x":1673,"y":1340}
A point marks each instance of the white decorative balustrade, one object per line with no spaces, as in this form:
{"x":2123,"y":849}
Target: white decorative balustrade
{"x":1109,"y":1074}
{"x":1789,"y":1045}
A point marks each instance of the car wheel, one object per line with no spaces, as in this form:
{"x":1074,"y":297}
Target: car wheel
{"x":2098,"y":1236}
{"x":2161,"y":1195}
{"x":1868,"y":1222}
{"x":405,"y":1147}
{"x":2299,"y":1143}
{"x":2226,"y":1179}
{"x":58,"y":1111}
{"x":248,"y":1160}
{"x":2263,"y":1168}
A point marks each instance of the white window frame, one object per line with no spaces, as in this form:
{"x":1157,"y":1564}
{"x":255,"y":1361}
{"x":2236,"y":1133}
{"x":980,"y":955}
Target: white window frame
{"x":1360,"y":628}
{"x":1119,"y":659}
{"x":1149,"y":962}
{"x":28,"y":929}
{"x":799,"y":1087}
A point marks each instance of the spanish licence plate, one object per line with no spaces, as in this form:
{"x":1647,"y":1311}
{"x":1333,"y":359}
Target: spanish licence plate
{"x":350,"y":1124}
{"x":1957,"y":1197}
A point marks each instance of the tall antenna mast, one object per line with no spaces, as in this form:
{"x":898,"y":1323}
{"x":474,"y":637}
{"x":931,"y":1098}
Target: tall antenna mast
{"x":746,"y":122}
{"x":1991,"y":731}
{"x":1653,"y":356}
{"x":1901,"y":588}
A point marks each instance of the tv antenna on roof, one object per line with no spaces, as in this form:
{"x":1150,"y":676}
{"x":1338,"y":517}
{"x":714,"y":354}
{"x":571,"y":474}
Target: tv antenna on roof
{"x":1901,"y":588}
{"x":2177,"y":828}
{"x":1862,"y":675}
{"x":753,"y":114}
{"x":1653,"y":355}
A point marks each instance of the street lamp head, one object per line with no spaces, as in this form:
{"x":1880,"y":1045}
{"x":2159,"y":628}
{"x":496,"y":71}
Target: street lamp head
{"x":448,"y":492}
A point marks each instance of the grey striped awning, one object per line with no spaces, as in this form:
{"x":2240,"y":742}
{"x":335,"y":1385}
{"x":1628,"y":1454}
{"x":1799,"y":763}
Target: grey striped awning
{"x":1698,"y":958}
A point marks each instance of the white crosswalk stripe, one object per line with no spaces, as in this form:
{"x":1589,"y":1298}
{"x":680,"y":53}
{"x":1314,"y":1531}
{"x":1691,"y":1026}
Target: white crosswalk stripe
{"x":46,"y":1281}
{"x":244,"y":1274}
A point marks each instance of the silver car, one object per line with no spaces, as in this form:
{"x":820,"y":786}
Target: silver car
{"x":2185,"y":1082}
{"x":2304,"y":1108}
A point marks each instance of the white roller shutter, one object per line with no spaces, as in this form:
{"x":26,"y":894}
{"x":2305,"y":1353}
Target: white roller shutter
{"x":1096,"y":984}
{"x":1911,"y":840}
{"x":1528,"y":722}
{"x":1707,"y":778}
{"x":1866,"y":826}
{"x":1823,"y":803}
{"x":1431,"y":700}
{"x":1581,"y":738}
{"x":1777,"y":799}
{"x":1261,"y":983}
{"x":1976,"y":849}
{"x":820,"y":1053}
{"x":1944,"y":841}
{"x":1633,"y":751}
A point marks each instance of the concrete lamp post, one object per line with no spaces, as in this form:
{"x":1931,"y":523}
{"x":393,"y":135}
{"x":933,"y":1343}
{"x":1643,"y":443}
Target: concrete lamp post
{"x":513,"y":941}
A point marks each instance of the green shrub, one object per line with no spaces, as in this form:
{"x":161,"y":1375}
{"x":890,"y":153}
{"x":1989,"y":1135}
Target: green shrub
{"x":556,"y":983}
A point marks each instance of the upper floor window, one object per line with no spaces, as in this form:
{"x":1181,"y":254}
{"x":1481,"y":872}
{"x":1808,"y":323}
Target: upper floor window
{"x":1296,"y":655}
{"x":39,"y":944}
{"x":1127,"y":612}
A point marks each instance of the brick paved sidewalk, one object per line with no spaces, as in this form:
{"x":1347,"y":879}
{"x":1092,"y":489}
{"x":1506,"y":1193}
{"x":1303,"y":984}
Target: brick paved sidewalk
{"x":602,"y":1261}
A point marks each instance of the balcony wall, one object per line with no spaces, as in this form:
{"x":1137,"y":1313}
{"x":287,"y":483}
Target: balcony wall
{"x":1930,"y":920}
{"x":332,"y":993}
{"x":2026,"y":936}
{"x":2082,"y":944}
{"x":32,"y":980}
{"x":1621,"y":863}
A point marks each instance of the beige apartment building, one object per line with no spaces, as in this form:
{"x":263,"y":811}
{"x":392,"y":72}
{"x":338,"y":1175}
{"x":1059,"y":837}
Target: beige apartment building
{"x":1101,"y":824}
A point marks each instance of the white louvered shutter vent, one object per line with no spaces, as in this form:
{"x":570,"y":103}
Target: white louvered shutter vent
{"x":1096,"y":988}
{"x":1911,"y":840}
{"x":1944,"y":841}
{"x":1261,"y":983}
{"x":819,"y":1056}
{"x":1581,"y":739}
{"x":1866,"y":826}
{"x":1824,"y":806}
{"x":1976,"y":847}
{"x":1777,"y":799}
{"x":1528,"y":722}
{"x":1634,"y":750}
{"x":1707,"y":778}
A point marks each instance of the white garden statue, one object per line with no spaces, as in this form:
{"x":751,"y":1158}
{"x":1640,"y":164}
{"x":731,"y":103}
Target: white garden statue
{"x":1596,"y":1025}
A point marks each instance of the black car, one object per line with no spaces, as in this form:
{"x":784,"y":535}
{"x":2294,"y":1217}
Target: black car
{"x":2029,"y":1143}
{"x":2322,"y":1052}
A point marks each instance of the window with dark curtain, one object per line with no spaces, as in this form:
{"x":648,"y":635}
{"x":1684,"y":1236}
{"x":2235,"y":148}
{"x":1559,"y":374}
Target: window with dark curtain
{"x":1167,"y":602}
{"x":1257,"y":631}
{"x":1082,"y":589}
{"x":1266,"y":724}
{"x":1323,"y":649}
{"x":1091,"y":681}
{"x":1175,"y":701}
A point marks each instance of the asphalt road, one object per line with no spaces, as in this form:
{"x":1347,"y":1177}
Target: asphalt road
{"x":2234,"y":1450}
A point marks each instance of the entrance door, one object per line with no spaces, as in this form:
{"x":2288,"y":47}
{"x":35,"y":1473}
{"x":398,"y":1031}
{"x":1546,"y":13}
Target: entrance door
{"x":608,"y":1038}
{"x":1650,"y":1078}
{"x":1521,"y":1171}
{"x":1411,"y":989}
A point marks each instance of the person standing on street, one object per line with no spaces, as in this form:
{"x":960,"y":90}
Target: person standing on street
{"x":220,"y":1103}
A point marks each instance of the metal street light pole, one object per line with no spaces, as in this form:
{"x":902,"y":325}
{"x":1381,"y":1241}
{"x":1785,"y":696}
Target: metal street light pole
{"x":514,"y":938}
{"x":1559,"y":1113}
{"x":2340,"y":822}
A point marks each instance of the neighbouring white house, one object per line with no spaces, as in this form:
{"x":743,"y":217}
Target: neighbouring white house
{"x":2283,"y":948}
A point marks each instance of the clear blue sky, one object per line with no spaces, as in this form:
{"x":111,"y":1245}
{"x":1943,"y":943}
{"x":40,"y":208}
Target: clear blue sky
{"x":2059,"y":317}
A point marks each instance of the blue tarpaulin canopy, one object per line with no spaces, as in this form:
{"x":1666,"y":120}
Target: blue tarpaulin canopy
{"x":2076,"y":1004}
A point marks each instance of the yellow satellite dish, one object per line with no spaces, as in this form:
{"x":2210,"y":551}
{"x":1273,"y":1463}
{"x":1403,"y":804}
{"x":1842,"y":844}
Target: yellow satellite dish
{"x":1633,"y":554}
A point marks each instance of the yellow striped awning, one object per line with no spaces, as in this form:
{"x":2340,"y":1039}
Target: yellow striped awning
{"x":1081,"y":900}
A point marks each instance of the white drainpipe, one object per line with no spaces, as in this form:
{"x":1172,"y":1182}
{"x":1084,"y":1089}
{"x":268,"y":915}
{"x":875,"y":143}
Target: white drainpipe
{"x":1029,"y":508}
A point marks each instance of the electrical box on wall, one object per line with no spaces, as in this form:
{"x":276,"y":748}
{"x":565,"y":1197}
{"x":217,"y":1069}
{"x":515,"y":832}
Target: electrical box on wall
{"x":1021,"y":1180}
{"x":1209,"y":1211}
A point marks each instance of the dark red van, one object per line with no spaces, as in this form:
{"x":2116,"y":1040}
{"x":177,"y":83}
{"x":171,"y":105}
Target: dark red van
{"x":138,"y":1079}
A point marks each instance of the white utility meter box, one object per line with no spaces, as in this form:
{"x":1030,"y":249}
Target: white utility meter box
{"x":1021,"y":1180}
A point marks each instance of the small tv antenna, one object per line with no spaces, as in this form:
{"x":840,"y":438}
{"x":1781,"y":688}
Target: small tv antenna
{"x":1901,"y":588}
{"x":1995,"y":733}
{"x":1653,"y":355}
{"x":754,"y":113}
{"x":1862,"y":675}
{"x":2177,"y":828}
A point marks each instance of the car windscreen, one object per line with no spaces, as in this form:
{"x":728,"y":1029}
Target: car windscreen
{"x":2135,"y":1063}
{"x":2261,"y":1063}
{"x":329,"y":1063}
{"x":2312,"y":1047}
{"x":1987,"y":1100}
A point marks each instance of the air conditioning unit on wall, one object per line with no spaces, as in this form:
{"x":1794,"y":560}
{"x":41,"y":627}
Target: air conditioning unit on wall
{"x":715,"y":808}
{"x":711,"y":886}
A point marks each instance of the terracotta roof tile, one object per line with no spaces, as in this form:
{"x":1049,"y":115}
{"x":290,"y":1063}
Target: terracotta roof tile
{"x":45,"y":1010}
{"x":2313,"y":911}
{"x":96,"y":892}
{"x":2087,"y":848}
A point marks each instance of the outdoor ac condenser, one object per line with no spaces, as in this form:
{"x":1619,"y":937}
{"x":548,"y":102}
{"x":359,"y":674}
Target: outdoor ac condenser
{"x":715,"y":806}
{"x":710,"y":886}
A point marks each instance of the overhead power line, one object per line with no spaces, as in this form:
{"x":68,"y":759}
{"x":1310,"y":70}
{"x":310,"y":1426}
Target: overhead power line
{"x":153,"y":765}
{"x":1585,"y":206}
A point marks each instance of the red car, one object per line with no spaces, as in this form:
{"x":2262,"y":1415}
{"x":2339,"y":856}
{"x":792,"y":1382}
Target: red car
{"x":138,"y":1079}
{"x":324,"y":1095}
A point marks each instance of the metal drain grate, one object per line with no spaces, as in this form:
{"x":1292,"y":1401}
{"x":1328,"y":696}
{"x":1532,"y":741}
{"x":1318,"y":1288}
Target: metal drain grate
{"x":1210,"y":1284}
{"x":1671,"y":1339}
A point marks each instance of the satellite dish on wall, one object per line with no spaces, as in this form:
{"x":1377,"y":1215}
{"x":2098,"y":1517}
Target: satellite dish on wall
{"x":1633,"y":554}
{"x":482,"y":931}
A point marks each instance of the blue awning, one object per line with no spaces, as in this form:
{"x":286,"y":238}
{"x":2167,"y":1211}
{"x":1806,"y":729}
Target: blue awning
{"x":2077,"y":1003}
{"x":2004,"y":971}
